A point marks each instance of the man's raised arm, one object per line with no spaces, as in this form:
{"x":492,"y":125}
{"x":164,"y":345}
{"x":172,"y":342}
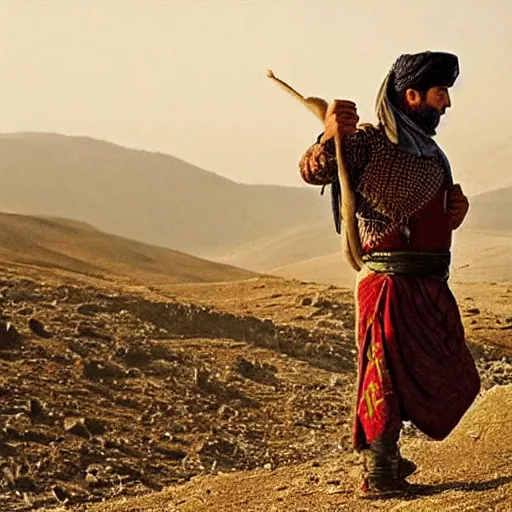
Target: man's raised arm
{"x":318,"y":164}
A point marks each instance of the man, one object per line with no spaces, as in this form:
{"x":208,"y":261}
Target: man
{"x":413,"y":362}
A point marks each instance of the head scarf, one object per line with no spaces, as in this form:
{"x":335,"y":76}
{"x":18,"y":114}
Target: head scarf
{"x":420,"y":72}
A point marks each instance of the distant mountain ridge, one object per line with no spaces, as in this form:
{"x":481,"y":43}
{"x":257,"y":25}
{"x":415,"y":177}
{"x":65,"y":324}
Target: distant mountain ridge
{"x":162,"y":200}
{"x":492,"y":211}
{"x":151,"y":197}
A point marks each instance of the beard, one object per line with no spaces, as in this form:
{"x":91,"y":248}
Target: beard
{"x":426,"y":117}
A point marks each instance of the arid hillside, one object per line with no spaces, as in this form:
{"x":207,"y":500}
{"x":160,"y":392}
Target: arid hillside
{"x":149,"y":197}
{"x":159,"y":199}
{"x":450,"y":479}
{"x":492,"y":211}
{"x":477,"y":256}
{"x":79,"y":248}
{"x":228,"y":395}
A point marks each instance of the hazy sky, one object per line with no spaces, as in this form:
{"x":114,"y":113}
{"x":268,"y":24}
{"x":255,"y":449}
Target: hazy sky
{"x":187,"y":77}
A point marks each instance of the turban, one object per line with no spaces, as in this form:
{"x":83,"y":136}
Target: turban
{"x":421,"y":71}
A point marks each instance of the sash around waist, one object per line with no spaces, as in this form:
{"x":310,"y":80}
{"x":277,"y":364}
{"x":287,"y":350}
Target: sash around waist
{"x":412,"y":263}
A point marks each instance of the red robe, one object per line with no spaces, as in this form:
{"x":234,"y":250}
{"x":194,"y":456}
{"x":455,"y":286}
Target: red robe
{"x":414,"y":363}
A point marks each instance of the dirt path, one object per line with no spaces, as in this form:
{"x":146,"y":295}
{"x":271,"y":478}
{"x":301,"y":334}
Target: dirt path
{"x":471,"y":471}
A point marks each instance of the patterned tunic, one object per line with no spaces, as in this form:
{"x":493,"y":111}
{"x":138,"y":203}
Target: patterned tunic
{"x":391,"y":186}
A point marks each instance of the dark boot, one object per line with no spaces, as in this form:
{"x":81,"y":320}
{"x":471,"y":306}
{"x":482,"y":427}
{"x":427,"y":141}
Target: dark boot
{"x":385,"y":470}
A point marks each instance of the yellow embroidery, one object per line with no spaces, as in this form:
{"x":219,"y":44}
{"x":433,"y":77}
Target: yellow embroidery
{"x":371,"y":399}
{"x":373,"y":360}
{"x":375,"y":386}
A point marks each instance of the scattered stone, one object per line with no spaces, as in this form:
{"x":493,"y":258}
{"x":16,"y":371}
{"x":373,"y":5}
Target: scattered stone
{"x":76,"y":426}
{"x":83,"y":347}
{"x":473,"y":311}
{"x":36,"y":409}
{"x":136,"y":422}
{"x":320,"y":302}
{"x":7,"y":450}
{"x":38,"y":328}
{"x":97,"y":370}
{"x":121,"y":351}
{"x":136,"y":356}
{"x":22,"y":294}
{"x":95,"y":427}
{"x":60,"y":494}
{"x":95,"y":475}
{"x":90,"y":309}
{"x":26,"y":311}
{"x":91,"y":479}
{"x":226,"y":412}
{"x":9,"y":336}
{"x":25,"y":484}
{"x":39,"y":437}
{"x":263,"y":373}
{"x":88,"y":331}
{"x":134,"y":373}
{"x":335,"y":380}
{"x":172,"y":453}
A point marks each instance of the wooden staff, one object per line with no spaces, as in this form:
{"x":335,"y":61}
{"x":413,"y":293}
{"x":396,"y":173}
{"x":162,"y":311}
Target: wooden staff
{"x":351,"y":241}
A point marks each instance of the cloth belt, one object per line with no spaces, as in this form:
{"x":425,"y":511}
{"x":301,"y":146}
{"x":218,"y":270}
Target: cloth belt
{"x":413,"y":263}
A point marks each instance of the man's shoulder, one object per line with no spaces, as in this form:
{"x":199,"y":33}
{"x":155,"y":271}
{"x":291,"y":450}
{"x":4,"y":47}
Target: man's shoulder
{"x":370,"y":129}
{"x":367,"y":134}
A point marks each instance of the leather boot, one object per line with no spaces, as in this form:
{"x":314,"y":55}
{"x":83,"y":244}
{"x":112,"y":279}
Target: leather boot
{"x":385,"y":469}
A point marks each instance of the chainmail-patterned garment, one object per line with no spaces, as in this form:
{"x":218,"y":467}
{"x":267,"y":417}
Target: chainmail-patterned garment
{"x":391,"y":185}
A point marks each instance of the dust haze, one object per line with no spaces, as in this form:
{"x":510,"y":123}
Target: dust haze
{"x":187,"y":78}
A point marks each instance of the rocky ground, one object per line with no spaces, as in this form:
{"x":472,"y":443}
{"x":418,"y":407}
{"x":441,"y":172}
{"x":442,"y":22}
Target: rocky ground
{"x":114,"y":390}
{"x":469,"y":471}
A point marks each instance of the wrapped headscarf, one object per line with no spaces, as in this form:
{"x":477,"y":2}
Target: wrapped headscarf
{"x":419,"y":71}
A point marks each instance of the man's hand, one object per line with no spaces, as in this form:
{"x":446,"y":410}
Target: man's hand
{"x":458,"y":206}
{"x":341,"y":117}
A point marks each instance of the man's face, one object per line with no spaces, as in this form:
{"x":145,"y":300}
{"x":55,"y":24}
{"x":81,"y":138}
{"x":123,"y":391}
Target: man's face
{"x":426,"y":109}
{"x":439,"y":98}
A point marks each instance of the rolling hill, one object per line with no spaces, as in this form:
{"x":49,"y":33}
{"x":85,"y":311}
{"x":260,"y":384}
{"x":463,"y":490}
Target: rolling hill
{"x":481,"y":250}
{"x":82,"y":249}
{"x":492,"y":211}
{"x":161,"y":200}
{"x":151,"y":197}
{"x":478,"y":256}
